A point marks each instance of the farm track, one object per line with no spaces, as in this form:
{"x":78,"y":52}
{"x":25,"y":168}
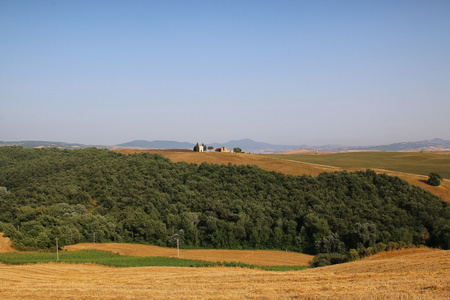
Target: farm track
{"x":290,"y":167}
{"x":405,"y":274}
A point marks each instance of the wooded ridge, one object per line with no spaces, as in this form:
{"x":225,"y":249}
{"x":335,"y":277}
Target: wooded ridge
{"x":146,"y":198}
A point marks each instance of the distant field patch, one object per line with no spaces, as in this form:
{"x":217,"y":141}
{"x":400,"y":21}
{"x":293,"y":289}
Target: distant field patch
{"x":405,"y":162}
{"x":117,"y":260}
{"x":250,"y":257}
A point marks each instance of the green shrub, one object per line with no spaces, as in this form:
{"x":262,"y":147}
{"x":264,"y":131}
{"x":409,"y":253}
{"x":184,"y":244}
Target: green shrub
{"x":434,"y":179}
{"x":354,"y":254}
{"x":326,"y":259}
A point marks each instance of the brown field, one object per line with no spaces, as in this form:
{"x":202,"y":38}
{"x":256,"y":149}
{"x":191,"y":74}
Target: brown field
{"x":253,"y":257}
{"x":405,"y":274}
{"x":287,"y":166}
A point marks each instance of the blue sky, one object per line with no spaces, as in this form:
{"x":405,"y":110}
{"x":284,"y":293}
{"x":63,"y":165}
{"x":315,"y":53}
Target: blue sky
{"x":283,"y":72}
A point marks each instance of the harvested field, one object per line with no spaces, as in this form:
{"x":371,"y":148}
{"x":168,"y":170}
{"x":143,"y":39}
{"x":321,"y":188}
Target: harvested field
{"x":253,"y":257}
{"x":404,"y":274}
{"x":286,"y":166}
{"x":406,"y":162}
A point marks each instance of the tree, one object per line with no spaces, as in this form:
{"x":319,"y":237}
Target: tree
{"x":237,"y":150}
{"x":210,"y":148}
{"x":364,"y":235}
{"x":434,"y":179}
{"x":330,"y":244}
{"x":197,"y":148}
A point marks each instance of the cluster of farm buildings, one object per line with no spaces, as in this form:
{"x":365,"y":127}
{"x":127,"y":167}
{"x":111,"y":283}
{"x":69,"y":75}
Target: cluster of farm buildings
{"x":202,"y":148}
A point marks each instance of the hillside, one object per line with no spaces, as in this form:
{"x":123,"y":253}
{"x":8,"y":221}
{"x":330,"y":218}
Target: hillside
{"x":420,"y":163}
{"x":284,"y":164}
{"x":405,"y":274}
{"x":146,"y":198}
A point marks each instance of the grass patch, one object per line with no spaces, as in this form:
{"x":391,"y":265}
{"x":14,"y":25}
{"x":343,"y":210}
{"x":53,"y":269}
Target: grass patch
{"x":116,"y":260}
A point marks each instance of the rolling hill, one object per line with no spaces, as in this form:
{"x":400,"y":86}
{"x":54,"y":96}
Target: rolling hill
{"x":421,"y":163}
{"x":405,"y":274}
{"x":292,"y":167}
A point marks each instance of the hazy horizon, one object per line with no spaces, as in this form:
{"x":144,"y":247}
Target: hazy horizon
{"x":281,"y":72}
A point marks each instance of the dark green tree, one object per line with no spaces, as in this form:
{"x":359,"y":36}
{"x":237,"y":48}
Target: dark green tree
{"x":237,"y":150}
{"x":434,"y":179}
{"x":196,"y":148}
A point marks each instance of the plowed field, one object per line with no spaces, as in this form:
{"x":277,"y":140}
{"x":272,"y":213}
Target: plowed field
{"x":253,"y":257}
{"x":406,"y":274}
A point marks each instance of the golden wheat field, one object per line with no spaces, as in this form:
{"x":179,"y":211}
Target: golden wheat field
{"x":290,"y":167}
{"x":252,"y":257}
{"x":404,"y":274}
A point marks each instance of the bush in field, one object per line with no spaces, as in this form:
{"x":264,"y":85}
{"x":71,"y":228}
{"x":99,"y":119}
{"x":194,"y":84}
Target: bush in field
{"x":434,"y":179}
{"x":326,"y":259}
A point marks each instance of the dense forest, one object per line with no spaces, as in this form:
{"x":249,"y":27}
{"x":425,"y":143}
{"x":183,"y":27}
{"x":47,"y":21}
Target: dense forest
{"x":146,"y":198}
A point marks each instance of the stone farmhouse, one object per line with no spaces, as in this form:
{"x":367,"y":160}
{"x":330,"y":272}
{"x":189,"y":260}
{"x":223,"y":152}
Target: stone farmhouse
{"x":224,"y":150}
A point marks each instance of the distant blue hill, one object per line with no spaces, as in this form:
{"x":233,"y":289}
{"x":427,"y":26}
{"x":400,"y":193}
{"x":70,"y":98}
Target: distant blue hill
{"x":45,"y":144}
{"x":158,"y":144}
{"x":246,"y":145}
{"x":426,"y":145}
{"x":249,"y":145}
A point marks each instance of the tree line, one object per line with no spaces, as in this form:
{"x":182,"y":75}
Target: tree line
{"x":146,"y":198}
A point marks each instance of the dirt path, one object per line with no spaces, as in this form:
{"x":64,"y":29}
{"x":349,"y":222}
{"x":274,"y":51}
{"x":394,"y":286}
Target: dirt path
{"x":253,"y":257}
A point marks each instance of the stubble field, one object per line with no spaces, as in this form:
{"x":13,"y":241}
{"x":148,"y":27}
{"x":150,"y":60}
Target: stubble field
{"x":418,"y":273}
{"x":404,"y":274}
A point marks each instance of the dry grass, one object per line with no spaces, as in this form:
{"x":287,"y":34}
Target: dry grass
{"x":287,"y":166}
{"x":405,"y":274}
{"x":5,"y":244}
{"x":252,"y":257}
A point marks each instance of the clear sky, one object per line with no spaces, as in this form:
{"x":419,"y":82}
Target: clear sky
{"x":283,"y":72}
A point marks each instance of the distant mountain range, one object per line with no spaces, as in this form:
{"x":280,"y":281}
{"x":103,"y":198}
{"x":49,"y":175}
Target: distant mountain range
{"x":157,"y":144}
{"x":247,"y":145}
{"x":251,"y":146}
{"x":426,"y":145}
{"x":44,"y":144}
